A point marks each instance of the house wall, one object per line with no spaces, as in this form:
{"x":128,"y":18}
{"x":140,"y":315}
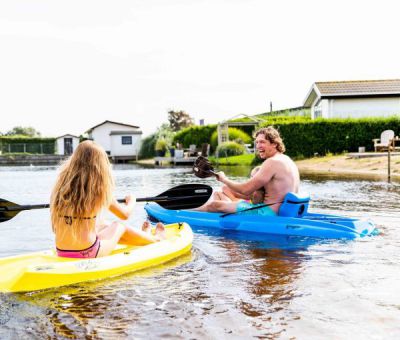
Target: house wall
{"x":101,"y":134}
{"x":320,"y":109}
{"x":361,"y":107}
{"x":117,"y":149}
{"x":60,"y":144}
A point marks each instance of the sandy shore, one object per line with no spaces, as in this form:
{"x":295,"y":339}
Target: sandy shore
{"x":343,"y":166}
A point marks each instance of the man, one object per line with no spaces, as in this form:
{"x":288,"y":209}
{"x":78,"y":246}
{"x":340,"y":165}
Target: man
{"x":277,"y":175}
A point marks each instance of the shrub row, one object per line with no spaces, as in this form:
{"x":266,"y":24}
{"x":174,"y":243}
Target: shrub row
{"x":302,"y":136}
{"x":27,"y":144}
{"x":322,"y":136}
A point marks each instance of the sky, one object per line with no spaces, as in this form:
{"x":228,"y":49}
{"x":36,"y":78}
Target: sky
{"x":66,"y":66}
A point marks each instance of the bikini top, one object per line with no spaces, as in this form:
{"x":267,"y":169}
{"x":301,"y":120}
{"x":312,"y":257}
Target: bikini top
{"x":68,"y":219}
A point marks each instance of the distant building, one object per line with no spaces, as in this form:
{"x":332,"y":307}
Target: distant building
{"x":66,"y":144}
{"x":121,"y":141}
{"x":355,"y":99}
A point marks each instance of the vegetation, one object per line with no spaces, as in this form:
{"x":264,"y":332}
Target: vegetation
{"x":246,"y":159}
{"x":230,"y":149}
{"x":195,"y":135}
{"x":235,"y":134}
{"x":24,"y":144}
{"x":302,"y":136}
{"x":161,"y":145}
{"x":305,"y":139}
{"x":179,"y":120}
{"x":148,"y":146}
{"x":23,"y":132}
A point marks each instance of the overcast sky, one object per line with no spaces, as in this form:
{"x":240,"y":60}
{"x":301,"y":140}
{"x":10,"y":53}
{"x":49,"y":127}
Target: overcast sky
{"x":66,"y":66}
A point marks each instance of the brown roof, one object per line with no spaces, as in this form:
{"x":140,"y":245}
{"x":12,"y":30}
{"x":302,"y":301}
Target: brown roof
{"x":352,"y":88}
{"x":359,"y":87}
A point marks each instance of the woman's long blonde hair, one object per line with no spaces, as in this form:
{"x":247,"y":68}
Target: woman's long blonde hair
{"x":83,"y":187}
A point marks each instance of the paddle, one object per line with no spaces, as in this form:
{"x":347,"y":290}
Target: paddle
{"x":203,"y":168}
{"x":185,"y":196}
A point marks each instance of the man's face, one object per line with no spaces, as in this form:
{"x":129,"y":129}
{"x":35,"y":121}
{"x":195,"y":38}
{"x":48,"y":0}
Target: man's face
{"x":264,"y":147}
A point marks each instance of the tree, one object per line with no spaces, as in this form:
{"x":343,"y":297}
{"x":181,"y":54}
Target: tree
{"x":179,"y":120}
{"x":23,"y":131}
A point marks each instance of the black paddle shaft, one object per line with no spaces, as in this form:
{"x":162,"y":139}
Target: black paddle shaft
{"x":185,"y":196}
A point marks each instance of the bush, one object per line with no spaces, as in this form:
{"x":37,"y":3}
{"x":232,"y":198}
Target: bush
{"x":234,"y":135}
{"x":161,"y":145}
{"x":228,"y":149}
{"x":195,"y":135}
{"x":147,"y":149}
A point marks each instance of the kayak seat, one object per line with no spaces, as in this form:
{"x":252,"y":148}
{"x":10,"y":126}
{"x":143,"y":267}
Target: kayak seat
{"x":294,"y":205}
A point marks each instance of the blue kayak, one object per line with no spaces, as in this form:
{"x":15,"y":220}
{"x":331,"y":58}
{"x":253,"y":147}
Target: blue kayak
{"x":293,"y":219}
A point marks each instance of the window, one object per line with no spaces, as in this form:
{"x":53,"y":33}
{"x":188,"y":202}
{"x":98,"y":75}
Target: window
{"x":318,"y":110}
{"x":126,"y":140}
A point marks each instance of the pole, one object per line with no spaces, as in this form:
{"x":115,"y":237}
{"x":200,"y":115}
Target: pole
{"x":389,"y":147}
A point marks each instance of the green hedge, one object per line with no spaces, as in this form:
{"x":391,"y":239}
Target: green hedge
{"x":322,"y":136}
{"x":202,"y":134}
{"x":195,"y":135}
{"x":32,"y":145}
{"x":304,"y":137}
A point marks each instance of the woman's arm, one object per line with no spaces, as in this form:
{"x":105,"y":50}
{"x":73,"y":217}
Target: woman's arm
{"x":123,"y":211}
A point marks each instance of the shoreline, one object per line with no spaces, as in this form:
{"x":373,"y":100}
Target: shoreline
{"x":373,"y":167}
{"x":344,"y":166}
{"x":341,"y":166}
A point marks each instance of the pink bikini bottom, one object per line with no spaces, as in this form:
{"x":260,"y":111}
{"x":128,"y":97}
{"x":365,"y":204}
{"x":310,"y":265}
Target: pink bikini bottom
{"x":87,"y":253}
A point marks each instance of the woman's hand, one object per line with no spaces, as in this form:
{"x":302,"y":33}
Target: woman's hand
{"x":129,"y":199}
{"x":123,"y":211}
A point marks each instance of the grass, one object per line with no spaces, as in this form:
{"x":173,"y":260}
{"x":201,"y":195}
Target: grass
{"x":234,"y":160}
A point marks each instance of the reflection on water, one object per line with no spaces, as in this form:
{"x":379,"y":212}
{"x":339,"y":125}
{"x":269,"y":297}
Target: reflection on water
{"x":231,"y":285}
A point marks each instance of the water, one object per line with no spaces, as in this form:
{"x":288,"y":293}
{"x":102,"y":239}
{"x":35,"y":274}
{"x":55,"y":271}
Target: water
{"x":231,"y":285}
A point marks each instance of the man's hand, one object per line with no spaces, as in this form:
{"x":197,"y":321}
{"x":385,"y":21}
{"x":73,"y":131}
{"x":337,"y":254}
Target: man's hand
{"x":221,"y":176}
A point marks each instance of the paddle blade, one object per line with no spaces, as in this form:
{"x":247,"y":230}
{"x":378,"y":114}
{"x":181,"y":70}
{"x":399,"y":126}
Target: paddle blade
{"x":8,"y":210}
{"x":202,"y":167}
{"x":185,"y":196}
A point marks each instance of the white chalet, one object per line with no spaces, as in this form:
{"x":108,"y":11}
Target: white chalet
{"x":66,"y":144}
{"x":354,"y":99}
{"x":121,"y":141}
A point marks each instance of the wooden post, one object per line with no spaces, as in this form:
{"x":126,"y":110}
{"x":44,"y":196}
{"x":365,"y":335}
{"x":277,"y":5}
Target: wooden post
{"x":389,"y":147}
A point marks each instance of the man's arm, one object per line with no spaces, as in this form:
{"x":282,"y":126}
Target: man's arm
{"x":263,"y":176}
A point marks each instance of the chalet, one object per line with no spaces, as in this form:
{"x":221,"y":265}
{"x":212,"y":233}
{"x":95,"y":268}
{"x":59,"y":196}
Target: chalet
{"x":121,"y":141}
{"x":66,"y":144}
{"x":354,"y":99}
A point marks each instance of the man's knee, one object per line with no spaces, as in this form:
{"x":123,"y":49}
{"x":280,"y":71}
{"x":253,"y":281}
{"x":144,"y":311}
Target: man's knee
{"x":217,"y":206}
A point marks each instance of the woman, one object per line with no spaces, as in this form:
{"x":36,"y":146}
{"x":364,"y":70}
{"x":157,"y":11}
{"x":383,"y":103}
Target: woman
{"x":83,"y":188}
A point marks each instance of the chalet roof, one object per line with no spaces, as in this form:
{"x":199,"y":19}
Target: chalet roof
{"x":67,"y":135}
{"x":109,"y":121}
{"x":352,"y":88}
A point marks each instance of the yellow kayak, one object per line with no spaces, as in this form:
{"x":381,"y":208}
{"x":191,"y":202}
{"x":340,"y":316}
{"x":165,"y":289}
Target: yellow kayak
{"x":42,"y":270}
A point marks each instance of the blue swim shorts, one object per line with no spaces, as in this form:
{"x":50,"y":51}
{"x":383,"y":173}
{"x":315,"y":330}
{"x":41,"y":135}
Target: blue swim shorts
{"x":264,"y":211}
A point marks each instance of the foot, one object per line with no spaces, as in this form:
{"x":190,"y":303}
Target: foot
{"x":160,"y":233}
{"x":146,"y":227}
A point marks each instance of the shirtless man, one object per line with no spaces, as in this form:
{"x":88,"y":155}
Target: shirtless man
{"x":278,"y":175}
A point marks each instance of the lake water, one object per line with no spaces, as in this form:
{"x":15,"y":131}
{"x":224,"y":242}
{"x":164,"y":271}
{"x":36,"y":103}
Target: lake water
{"x":228,"y":287}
